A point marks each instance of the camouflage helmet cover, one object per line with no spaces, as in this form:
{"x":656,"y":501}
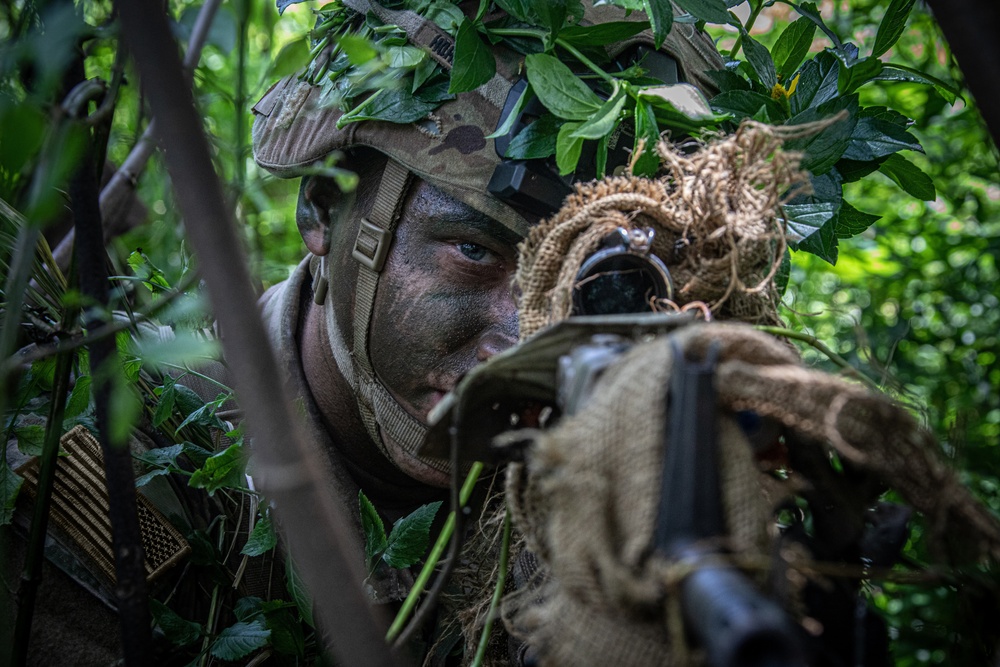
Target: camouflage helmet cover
{"x":293,"y":130}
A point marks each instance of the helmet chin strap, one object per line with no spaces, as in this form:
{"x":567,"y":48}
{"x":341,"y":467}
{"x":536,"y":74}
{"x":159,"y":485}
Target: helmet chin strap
{"x":380,"y":412}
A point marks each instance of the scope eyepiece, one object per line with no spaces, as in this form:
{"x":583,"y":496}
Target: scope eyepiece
{"x":623,"y":276}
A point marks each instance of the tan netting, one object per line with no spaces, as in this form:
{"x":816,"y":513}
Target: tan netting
{"x":715,"y":211}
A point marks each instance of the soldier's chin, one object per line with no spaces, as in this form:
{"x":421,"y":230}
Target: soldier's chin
{"x":415,"y":467}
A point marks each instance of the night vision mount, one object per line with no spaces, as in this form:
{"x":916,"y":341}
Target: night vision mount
{"x":535,"y":185}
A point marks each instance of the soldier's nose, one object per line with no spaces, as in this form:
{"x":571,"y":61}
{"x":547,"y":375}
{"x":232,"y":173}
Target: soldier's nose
{"x":499,"y":337}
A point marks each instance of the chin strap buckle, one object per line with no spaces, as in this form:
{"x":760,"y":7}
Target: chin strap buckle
{"x":372,"y":245}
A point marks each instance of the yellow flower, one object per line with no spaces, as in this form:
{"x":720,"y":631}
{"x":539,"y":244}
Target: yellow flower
{"x":779,"y":91}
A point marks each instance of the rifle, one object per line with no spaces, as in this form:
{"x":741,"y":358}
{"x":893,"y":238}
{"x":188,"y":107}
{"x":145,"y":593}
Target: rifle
{"x":551,"y":378}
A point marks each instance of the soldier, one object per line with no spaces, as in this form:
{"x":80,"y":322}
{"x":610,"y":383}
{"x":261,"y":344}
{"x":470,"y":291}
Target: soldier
{"x":407,"y":284}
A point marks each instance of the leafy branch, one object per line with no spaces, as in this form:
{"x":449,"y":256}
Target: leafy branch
{"x":405,"y":544}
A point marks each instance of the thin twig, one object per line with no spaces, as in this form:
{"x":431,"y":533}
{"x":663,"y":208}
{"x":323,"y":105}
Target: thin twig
{"x":484,"y":640}
{"x":821,"y":347}
{"x":396,"y":631}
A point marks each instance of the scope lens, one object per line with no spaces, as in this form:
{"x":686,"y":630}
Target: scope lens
{"x":618,"y":283}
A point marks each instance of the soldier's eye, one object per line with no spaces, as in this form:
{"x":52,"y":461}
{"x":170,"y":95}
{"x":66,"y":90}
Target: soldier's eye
{"x":477,"y":253}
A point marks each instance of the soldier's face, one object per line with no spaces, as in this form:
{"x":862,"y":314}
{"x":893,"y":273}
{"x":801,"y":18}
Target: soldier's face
{"x":443,"y":304}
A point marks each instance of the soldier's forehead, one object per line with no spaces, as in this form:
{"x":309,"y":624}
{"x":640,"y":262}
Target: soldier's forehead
{"x":433,"y":205}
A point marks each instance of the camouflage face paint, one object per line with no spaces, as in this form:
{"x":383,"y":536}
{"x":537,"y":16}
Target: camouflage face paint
{"x":444,"y":302}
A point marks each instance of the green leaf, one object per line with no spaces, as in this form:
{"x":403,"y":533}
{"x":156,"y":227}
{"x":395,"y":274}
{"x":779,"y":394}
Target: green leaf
{"x":646,"y":130}
{"x":404,"y":56}
{"x":204,"y":414}
{"x":817,"y":83}
{"x":161,"y":456}
{"x":248,"y":608}
{"x":358,"y":49}
{"x":601,"y":34}
{"x":186,"y":400}
{"x":444,"y":13}
{"x":680,"y":97}
{"x":292,"y":58}
{"x":811,"y":219}
{"x":262,"y":539}
{"x":299,"y":592}
{"x":851,"y":221}
{"x":198,"y":455}
{"x":143,"y":480}
{"x":396,"y":105}
{"x":792,"y":47}
{"x":661,"y":18}
{"x":165,"y":401}
{"x":553,"y":13}
{"x":410,"y":536}
{"x":874,"y":138}
{"x":852,"y":171}
{"x":562,"y":92}
{"x":891,"y":26}
{"x":601,"y":157}
{"x":511,"y":118}
{"x":710,"y":11}
{"x":240,"y":640}
{"x":30,"y":439}
{"x":286,"y":633}
{"x":222,"y":470}
{"x":909,"y":177}
{"x":811,"y":12}
{"x":522,"y":10}
{"x":896,"y":72}
{"x":823,"y":243}
{"x":746,"y":104}
{"x":474,"y":62}
{"x":727,"y":80}
{"x":435,"y":92}
{"x":43,"y":372}
{"x":629,"y":5}
{"x":152,"y":277}
{"x":568,"y":148}
{"x":10,"y":486}
{"x":822,"y":150}
{"x":853,"y":76}
{"x":374,"y":529}
{"x":79,"y":398}
{"x":537,"y":140}
{"x":177,"y":630}
{"x":604,"y":121}
{"x":760,"y":59}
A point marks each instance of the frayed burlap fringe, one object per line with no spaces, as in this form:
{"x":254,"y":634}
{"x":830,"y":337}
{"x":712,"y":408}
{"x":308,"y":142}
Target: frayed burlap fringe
{"x":587,"y":497}
{"x":716,"y":211}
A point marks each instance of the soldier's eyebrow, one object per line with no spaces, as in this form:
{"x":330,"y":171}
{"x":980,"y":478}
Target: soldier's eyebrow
{"x":483,"y":224}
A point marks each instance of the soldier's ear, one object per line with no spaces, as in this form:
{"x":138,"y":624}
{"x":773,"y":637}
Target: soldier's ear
{"x":321,"y":205}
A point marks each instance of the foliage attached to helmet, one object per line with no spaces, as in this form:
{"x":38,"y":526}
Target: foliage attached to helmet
{"x":585,"y":91}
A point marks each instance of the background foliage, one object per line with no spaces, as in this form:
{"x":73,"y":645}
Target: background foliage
{"x":912,"y":302}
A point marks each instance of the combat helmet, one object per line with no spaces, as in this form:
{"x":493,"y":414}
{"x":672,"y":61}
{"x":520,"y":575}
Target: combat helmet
{"x":304,"y":118}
